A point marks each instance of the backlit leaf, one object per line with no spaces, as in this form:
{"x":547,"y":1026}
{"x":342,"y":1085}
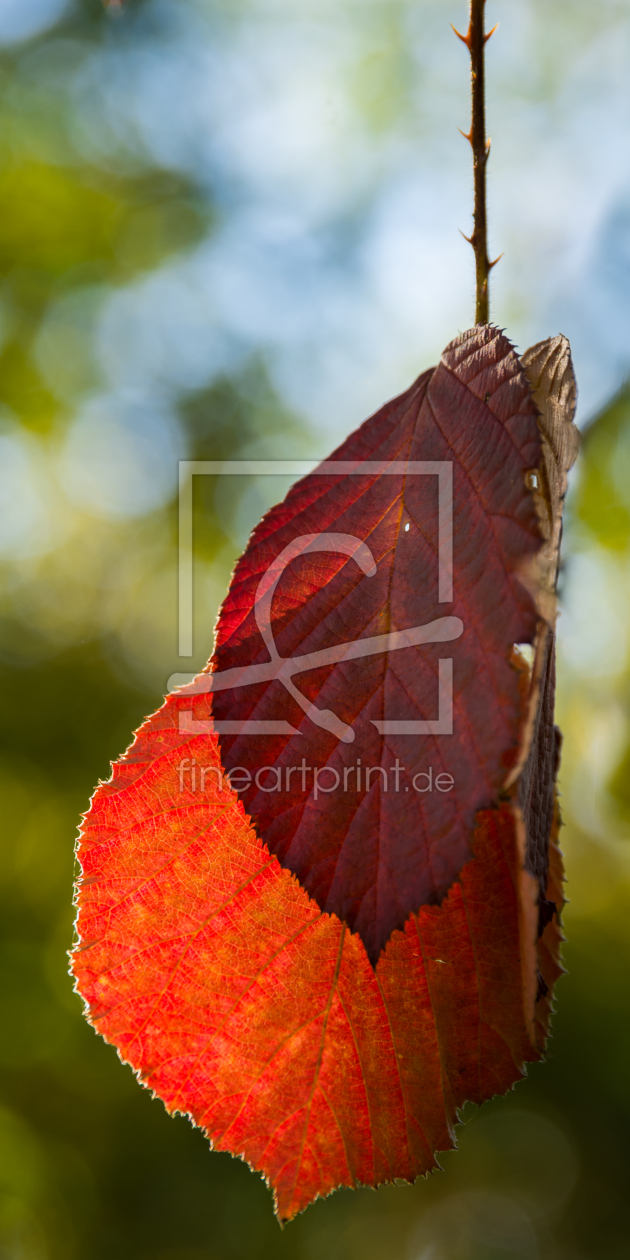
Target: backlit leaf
{"x":331,"y":1042}
{"x":239,"y":1002}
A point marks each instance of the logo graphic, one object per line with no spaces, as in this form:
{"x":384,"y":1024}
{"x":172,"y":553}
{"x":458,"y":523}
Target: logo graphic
{"x":442,"y":630}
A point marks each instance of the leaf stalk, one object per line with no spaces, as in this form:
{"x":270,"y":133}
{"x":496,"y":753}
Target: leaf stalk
{"x":475,"y":40}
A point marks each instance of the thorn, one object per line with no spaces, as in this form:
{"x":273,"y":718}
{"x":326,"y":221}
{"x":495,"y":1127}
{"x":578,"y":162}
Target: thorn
{"x":490,"y":34}
{"x":493,"y":264}
{"x":469,"y":239}
{"x":464,"y":38}
{"x":466,"y":134}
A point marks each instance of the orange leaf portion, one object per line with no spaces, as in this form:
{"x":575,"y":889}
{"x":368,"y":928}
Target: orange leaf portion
{"x":239,"y":1002}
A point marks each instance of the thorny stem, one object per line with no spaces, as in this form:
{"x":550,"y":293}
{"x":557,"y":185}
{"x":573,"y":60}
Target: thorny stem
{"x":476,"y":40}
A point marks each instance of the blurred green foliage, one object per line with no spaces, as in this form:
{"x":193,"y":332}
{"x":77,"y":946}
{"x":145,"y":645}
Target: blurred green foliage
{"x":90,"y":1166}
{"x":602,"y":513}
{"x":603,"y":499}
{"x":65,"y":228}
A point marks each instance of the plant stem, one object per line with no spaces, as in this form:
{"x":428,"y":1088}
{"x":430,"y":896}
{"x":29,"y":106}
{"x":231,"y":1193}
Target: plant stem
{"x":476,"y":40}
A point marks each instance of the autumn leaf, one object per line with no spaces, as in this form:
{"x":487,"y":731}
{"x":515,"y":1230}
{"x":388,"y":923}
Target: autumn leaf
{"x":325,"y":1046}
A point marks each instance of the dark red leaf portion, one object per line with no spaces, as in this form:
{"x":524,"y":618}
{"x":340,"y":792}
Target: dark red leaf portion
{"x":375,"y":849}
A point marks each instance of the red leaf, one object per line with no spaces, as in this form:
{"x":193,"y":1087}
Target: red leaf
{"x":373,"y":857}
{"x":240,"y":1003}
{"x":231,"y":992}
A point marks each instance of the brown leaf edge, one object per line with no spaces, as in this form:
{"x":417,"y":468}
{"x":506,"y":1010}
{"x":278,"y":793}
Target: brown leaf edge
{"x":531,"y":784}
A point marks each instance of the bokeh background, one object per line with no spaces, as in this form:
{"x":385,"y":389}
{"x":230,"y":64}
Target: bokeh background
{"x":229,"y":228}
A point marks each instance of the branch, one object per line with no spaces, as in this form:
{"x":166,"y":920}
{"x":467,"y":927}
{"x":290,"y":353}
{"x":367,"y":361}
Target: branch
{"x":476,"y":40}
